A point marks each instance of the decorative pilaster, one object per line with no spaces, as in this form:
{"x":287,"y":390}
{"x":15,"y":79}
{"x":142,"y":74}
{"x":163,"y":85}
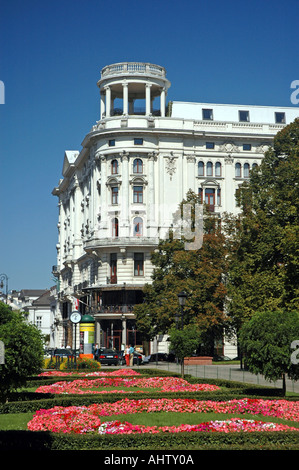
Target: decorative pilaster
{"x":125,"y":226}
{"x":151,"y":211}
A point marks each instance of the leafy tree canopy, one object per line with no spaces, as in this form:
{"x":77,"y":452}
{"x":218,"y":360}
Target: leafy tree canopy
{"x":267,"y":341}
{"x":23,"y":350}
{"x":198,"y":272}
{"x":264,"y":262}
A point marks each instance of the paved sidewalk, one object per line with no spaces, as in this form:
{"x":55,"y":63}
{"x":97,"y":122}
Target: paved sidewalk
{"x":228,"y":372}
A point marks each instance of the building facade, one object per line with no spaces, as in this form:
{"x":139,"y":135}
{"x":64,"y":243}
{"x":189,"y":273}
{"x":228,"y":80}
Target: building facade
{"x":119,"y":193}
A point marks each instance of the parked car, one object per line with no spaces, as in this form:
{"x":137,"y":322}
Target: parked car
{"x":63,"y":352}
{"x":108,"y":356}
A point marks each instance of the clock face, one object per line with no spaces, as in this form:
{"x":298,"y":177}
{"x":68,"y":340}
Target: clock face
{"x":75,"y":317}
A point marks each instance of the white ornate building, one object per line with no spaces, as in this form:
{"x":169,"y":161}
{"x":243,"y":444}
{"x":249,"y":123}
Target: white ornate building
{"x":119,"y":192}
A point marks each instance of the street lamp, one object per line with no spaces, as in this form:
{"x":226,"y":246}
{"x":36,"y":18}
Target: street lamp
{"x":182,"y":301}
{"x":2,"y":278}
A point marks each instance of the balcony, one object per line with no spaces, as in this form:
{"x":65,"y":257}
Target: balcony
{"x":133,"y":68}
{"x":137,"y":111}
{"x":115,"y":309}
{"x":121,"y":242}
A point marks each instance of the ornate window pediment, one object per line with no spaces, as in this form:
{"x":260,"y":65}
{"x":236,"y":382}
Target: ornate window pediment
{"x":211,"y":182}
{"x":113,"y":181}
{"x":140,"y":180}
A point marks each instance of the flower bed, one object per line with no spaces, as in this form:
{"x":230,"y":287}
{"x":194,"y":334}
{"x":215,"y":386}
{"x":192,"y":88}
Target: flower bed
{"x":164,"y":384}
{"x":87,"y":419}
{"x":120,"y":372}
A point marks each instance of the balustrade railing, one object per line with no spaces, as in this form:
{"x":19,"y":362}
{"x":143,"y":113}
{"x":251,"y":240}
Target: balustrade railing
{"x":133,"y":67}
{"x":115,"y":309}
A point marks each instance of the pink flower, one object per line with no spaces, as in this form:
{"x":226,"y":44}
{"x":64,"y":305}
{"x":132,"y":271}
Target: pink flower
{"x":84,"y":419}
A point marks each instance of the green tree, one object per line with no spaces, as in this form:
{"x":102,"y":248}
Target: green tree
{"x":264,"y":254}
{"x":23,"y":350}
{"x":183,"y":342}
{"x":266,"y":340}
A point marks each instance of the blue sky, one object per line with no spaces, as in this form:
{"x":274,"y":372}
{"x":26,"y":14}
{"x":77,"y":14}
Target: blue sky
{"x":51,"y":54}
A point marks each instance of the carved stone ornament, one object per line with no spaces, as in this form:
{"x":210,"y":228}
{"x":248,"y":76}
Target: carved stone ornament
{"x":170,"y":166}
{"x":229,"y":159}
{"x":228,"y":147}
{"x":262,"y":148}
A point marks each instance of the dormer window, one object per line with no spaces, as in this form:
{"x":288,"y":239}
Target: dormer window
{"x":210,"y":145}
{"x":247,"y":147}
{"x":244,"y":116}
{"x":280,"y":118}
{"x":207,"y":114}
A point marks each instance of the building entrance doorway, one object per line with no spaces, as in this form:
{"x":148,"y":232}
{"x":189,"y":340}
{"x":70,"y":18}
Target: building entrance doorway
{"x":114,"y":342}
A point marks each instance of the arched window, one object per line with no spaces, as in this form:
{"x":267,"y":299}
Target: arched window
{"x":246,"y":170}
{"x":138,"y":227}
{"x":238,"y":170}
{"x":201,"y":169}
{"x":138,"y":166}
{"x":114,"y":167}
{"x":115,"y":227}
{"x":218,"y":169}
{"x":209,"y":169}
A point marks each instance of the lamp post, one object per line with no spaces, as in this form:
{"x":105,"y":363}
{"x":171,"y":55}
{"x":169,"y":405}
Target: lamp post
{"x":2,"y":278}
{"x":182,"y":301}
{"x":182,"y":296}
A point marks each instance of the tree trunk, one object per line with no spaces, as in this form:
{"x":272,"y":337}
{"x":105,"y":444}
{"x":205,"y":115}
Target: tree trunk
{"x":284,"y":387}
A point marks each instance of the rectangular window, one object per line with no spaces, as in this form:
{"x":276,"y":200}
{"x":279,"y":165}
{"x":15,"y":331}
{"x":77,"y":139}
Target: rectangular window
{"x":280,"y":118}
{"x":210,"y":145}
{"x":207,"y":114}
{"x":246,"y":146}
{"x":138,"y":264}
{"x":112,"y":143}
{"x":210,"y":199}
{"x":138,"y":194}
{"x":244,"y":116}
{"x":39,"y":321}
{"x":114,"y":191}
{"x":138,"y":141}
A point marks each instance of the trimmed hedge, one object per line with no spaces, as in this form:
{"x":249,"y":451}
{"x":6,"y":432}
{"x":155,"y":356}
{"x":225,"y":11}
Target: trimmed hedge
{"x":28,"y":440}
{"x":22,"y":402}
{"x":30,"y":402}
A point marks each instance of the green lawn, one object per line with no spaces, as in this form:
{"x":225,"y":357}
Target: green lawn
{"x":19,"y":421}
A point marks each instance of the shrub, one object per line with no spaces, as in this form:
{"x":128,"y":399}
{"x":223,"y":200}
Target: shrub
{"x":63,"y":364}
{"x":86,"y":363}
